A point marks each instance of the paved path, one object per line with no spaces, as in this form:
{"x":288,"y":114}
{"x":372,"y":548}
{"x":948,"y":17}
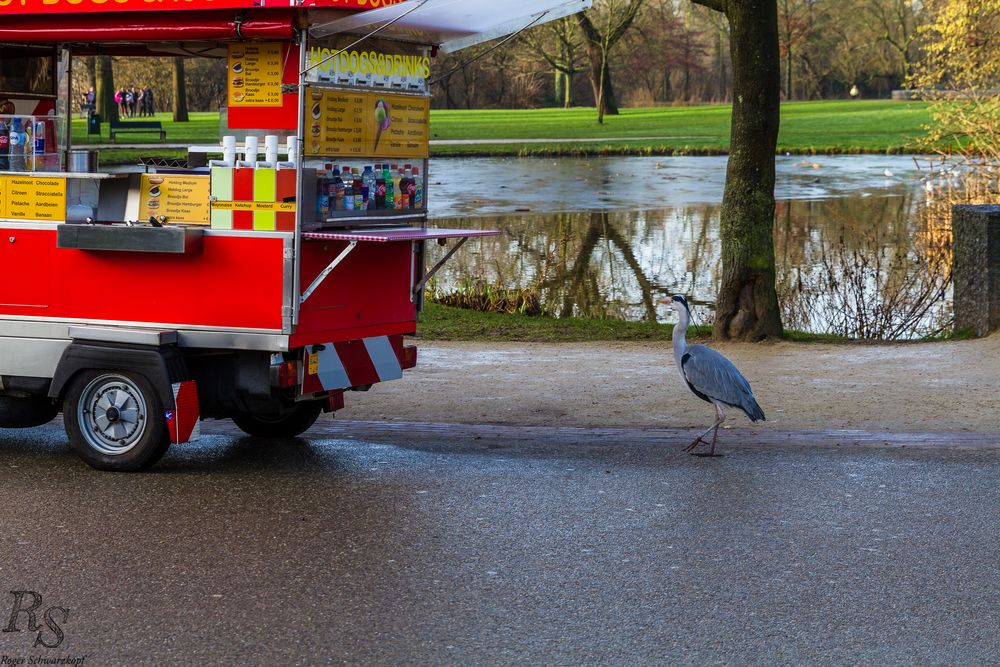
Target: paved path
{"x":374,"y":543}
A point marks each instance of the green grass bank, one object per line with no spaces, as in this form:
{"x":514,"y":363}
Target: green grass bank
{"x":439,"y":322}
{"x":823,"y":127}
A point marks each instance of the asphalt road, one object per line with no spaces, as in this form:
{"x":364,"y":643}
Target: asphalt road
{"x":503,"y":547}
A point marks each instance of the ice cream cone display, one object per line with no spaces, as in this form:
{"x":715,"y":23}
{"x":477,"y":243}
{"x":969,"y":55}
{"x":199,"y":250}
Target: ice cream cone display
{"x":382,"y":120}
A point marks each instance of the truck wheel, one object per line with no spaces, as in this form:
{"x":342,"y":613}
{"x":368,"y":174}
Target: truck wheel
{"x":295,"y":421}
{"x":115,"y":420}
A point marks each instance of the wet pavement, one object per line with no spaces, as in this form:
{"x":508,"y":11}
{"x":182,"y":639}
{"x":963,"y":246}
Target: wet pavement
{"x":424,"y":544}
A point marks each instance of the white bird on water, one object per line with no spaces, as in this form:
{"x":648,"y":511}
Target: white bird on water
{"x":710,"y":376}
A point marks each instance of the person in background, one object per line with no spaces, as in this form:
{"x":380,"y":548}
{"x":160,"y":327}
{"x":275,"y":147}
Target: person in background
{"x":120,"y":102}
{"x":148,"y":100}
{"x":87,"y":103}
{"x":130,"y":100}
{"x":140,"y":103}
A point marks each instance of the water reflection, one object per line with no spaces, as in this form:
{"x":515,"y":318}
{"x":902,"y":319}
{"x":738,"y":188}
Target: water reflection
{"x":860,"y":265}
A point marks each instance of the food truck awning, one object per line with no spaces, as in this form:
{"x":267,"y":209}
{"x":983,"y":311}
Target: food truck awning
{"x":130,"y":27}
{"x":451,"y":24}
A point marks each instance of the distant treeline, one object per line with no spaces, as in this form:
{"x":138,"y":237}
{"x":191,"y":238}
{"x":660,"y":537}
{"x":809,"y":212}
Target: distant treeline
{"x":677,"y":52}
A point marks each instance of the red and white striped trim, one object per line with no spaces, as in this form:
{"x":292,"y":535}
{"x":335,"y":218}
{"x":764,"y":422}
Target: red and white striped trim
{"x":184,"y":420}
{"x":352,"y":363}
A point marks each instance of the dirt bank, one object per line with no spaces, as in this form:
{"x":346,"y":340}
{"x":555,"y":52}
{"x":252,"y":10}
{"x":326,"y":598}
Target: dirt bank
{"x":951,"y":386}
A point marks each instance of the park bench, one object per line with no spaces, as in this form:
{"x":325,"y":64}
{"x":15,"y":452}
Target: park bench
{"x":146,"y":126}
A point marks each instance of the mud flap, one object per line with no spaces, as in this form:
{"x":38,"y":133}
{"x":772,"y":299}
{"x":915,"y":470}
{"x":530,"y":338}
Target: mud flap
{"x":184,"y":420}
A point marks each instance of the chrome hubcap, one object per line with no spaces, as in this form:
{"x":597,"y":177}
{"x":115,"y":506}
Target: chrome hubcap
{"x":112,"y":415}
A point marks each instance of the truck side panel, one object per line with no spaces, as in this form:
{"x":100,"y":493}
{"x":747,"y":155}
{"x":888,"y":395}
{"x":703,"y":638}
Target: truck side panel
{"x":368,"y":294}
{"x":235,"y":282}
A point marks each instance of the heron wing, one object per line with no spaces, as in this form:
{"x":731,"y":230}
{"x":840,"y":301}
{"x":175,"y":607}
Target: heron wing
{"x":710,"y":373}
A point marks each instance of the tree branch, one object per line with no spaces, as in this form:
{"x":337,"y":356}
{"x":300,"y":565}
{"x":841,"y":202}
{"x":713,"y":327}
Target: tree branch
{"x":717,"y":5}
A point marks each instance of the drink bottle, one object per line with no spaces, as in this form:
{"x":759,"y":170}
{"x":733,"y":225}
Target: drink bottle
{"x":387,"y":177}
{"x":335,"y":191}
{"x":357,"y":185}
{"x":397,"y":187}
{"x":16,"y":152}
{"x":411,"y":189}
{"x":368,"y":179}
{"x":379,"y":189}
{"x":4,"y":146}
{"x":27,"y":144}
{"x":39,"y":145}
{"x":322,"y":196}
{"x":418,"y":190}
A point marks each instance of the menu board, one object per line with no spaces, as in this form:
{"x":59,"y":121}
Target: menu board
{"x":254,"y":75}
{"x":30,"y":198}
{"x":349,"y":123}
{"x":180,"y":199}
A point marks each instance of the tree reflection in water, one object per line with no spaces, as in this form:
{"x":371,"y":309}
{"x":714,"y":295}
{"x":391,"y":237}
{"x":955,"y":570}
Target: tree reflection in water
{"x":874,"y":267}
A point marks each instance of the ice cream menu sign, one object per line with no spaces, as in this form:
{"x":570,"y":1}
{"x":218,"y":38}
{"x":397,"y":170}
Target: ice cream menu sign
{"x":363,"y":124}
{"x":255,"y":75}
{"x":30,"y":198}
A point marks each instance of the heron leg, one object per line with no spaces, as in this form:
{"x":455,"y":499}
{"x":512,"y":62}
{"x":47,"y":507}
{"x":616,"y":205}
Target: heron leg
{"x":720,"y":417}
{"x":699,"y":440}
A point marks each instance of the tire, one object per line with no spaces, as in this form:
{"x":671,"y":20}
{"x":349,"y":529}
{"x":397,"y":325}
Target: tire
{"x":115,"y":420}
{"x":26,"y":412}
{"x":289,"y":424}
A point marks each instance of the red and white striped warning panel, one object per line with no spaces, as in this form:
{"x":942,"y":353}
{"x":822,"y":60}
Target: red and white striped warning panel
{"x":184,"y":420}
{"x":355,"y":363}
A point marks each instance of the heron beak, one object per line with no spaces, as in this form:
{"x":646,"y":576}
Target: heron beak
{"x":666,"y":301}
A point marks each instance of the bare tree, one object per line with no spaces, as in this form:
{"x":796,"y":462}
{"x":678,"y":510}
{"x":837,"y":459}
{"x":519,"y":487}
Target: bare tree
{"x":602,"y":29}
{"x":896,"y":22}
{"x":558,"y":43}
{"x":747,"y":305}
{"x":795,"y":26}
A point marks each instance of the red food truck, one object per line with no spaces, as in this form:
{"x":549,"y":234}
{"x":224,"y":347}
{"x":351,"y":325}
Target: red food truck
{"x":258,"y":280}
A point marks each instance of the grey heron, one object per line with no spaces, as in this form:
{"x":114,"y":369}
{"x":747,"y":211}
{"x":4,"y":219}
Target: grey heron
{"x":710,"y":376}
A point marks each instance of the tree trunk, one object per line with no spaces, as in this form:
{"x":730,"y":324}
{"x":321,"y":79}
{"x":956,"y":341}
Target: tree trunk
{"x":104,"y":90}
{"x":180,"y":94}
{"x":92,"y":72}
{"x":600,"y":82}
{"x":559,"y":88}
{"x":788,"y":74}
{"x":747,"y":304}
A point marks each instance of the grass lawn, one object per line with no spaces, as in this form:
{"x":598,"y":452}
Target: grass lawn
{"x":439,"y":322}
{"x":203,"y":128}
{"x":869,"y":126}
{"x":877,"y":126}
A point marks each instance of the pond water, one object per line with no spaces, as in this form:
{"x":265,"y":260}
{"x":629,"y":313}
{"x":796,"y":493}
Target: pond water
{"x":859,"y":250}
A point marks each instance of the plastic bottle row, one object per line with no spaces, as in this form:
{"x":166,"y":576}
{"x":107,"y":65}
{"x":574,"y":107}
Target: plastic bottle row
{"x":369,"y":188}
{"x":22,"y":145}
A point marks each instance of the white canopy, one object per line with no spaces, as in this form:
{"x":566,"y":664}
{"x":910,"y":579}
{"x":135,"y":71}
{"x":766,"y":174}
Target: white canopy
{"x":452,"y":24}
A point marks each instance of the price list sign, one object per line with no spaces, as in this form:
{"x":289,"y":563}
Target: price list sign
{"x":180,"y":199}
{"x":363,"y":124}
{"x":27,"y":198}
{"x":254,"y":75}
